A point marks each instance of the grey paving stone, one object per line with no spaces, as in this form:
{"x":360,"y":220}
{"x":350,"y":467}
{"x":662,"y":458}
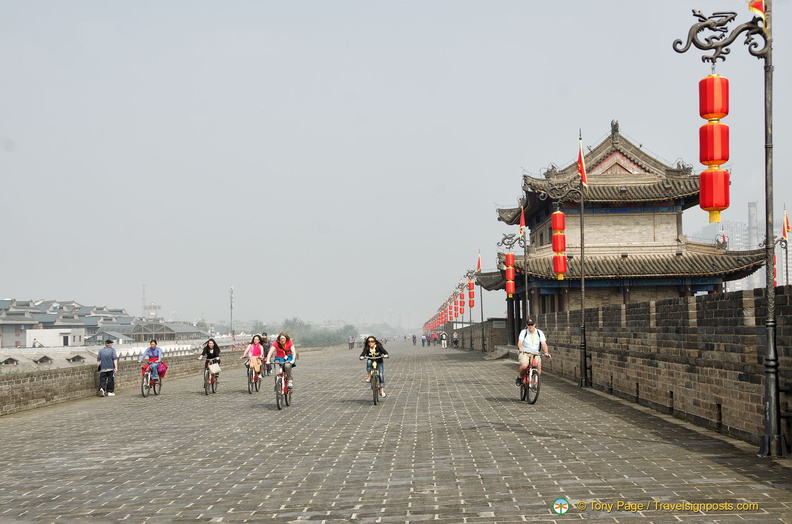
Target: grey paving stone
{"x":450,"y":443}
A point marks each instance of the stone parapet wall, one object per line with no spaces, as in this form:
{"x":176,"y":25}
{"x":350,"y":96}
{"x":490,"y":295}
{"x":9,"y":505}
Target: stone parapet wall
{"x":699,"y":358}
{"x":22,"y":391}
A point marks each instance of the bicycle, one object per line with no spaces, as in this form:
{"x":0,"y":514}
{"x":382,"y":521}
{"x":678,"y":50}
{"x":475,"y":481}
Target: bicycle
{"x":147,"y":383}
{"x":283,"y":392}
{"x":253,"y":380}
{"x":531,"y":381}
{"x":375,"y":379}
{"x":210,"y":379}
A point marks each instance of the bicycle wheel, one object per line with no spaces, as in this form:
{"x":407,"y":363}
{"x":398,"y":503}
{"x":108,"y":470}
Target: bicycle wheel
{"x":279,"y":392}
{"x":533,"y":386}
{"x":287,"y":397}
{"x":523,"y":391}
{"x":375,"y":385}
{"x":250,"y":380}
{"x":144,"y":385}
{"x":257,"y":382}
{"x":207,"y":380}
{"x":157,"y":386}
{"x":214,"y":384}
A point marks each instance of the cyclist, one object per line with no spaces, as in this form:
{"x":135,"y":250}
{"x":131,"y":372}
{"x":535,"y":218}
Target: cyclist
{"x":255,"y":351}
{"x":153,"y":356}
{"x":374,"y":349}
{"x":210,"y":351}
{"x":265,"y":343}
{"x":284,"y":354}
{"x":528,"y":345}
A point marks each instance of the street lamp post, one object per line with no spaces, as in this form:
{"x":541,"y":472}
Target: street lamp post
{"x":573,"y":191}
{"x":773,"y":444}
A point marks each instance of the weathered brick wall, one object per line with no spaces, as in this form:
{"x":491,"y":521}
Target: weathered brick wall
{"x":470,"y":337}
{"x":700,"y":358}
{"x":21,"y":391}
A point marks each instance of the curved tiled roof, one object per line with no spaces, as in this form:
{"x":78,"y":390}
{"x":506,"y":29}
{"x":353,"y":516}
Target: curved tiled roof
{"x":730,"y":265}
{"x":491,"y":281}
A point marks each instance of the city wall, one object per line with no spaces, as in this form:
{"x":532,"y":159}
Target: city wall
{"x":699,"y":358}
{"x":22,"y":391}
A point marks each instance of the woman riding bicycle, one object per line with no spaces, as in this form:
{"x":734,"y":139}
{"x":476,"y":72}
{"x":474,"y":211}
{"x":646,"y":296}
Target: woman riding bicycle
{"x":210,"y":351}
{"x":284,"y":353}
{"x":375,"y":350}
{"x":255,"y":351}
{"x":153,"y":356}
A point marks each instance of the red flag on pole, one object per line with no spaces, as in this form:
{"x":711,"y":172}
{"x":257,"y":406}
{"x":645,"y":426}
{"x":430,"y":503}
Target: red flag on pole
{"x":478,"y":265}
{"x":522,"y":220}
{"x":581,"y":166}
{"x":787,"y":229}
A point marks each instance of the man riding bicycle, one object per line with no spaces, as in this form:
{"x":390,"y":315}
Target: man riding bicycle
{"x":528,"y":345}
{"x":284,"y":354}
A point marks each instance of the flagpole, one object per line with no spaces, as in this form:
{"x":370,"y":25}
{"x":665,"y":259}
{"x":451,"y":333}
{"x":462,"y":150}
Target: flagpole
{"x":585,"y":380}
{"x":481,"y":303}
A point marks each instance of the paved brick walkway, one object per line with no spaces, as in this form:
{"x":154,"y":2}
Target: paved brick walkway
{"x":451,"y":443}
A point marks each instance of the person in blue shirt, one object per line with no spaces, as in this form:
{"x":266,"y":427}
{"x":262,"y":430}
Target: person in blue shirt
{"x":152,"y":355}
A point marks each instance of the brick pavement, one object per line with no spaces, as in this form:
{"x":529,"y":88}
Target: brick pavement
{"x":451,"y":443}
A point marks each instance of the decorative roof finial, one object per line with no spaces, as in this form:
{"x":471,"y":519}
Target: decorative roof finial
{"x":614,"y":127}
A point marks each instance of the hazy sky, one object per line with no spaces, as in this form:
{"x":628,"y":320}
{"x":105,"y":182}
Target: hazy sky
{"x":331,"y":159}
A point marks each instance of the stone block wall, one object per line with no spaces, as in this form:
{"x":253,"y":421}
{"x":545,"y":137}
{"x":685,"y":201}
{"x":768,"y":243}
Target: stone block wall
{"x":699,"y":358}
{"x":21,"y":391}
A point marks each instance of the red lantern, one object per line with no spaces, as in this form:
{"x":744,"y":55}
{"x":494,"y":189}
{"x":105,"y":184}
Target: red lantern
{"x":471,"y":294}
{"x":714,"y":192}
{"x":713,"y":143}
{"x":713,"y":97}
{"x":510,"y":287}
{"x":559,"y":242}
{"x":558,"y":221}
{"x":471,"y":302}
{"x":509,"y":273}
{"x":509,"y":259}
{"x":471,"y":286}
{"x":560,"y":265}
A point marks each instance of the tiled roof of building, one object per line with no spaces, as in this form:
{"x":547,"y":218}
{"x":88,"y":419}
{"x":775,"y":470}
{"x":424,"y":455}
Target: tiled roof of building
{"x":694,"y":261}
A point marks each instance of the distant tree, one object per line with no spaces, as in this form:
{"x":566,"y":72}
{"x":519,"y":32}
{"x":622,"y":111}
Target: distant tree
{"x":258,"y":327}
{"x":295,"y":325}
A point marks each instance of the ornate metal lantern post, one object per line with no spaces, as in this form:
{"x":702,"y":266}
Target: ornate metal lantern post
{"x":572,"y":190}
{"x":773,"y":444}
{"x":509,"y":241}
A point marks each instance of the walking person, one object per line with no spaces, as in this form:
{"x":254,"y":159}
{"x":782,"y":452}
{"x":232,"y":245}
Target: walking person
{"x":529,"y":343}
{"x":107,"y":364}
{"x":443,"y":339}
{"x":434,"y":338}
{"x":351,"y":341}
{"x":455,"y":339}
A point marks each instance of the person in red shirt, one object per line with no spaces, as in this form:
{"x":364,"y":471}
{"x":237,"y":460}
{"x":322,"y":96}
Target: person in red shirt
{"x":284,"y":353}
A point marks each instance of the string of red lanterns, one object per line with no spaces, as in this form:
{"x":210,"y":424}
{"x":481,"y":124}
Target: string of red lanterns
{"x":714,"y":145}
{"x":558,"y":224}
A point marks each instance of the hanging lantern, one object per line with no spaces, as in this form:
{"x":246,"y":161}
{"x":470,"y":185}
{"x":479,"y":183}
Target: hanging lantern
{"x":510,"y":272}
{"x":560,"y":265}
{"x":714,"y":145}
{"x":471,"y":303}
{"x":471,"y":285}
{"x":558,"y":223}
{"x":713,"y":97}
{"x":714,"y":192}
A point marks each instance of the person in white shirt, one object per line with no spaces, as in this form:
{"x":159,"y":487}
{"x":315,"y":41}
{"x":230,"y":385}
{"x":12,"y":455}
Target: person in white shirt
{"x":531,"y":340}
